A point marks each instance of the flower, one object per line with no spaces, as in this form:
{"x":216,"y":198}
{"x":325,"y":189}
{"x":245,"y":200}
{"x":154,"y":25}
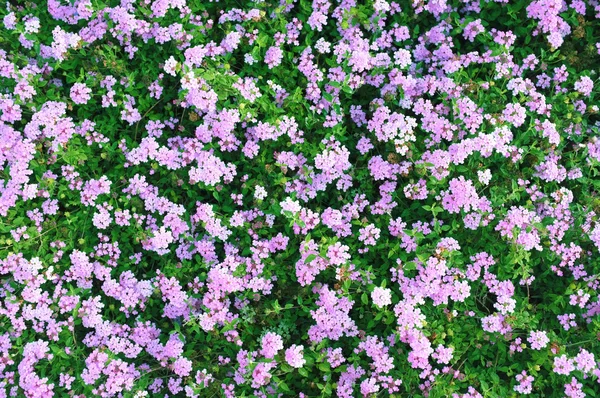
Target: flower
{"x":525,"y":381}
{"x":323,"y":46}
{"x":563,"y":365}
{"x":584,"y":85}
{"x":381,"y":296}
{"x":171,"y":66}
{"x":80,"y":93}
{"x":484,"y":176}
{"x":294,"y":356}
{"x":293,"y":206}
{"x":260,"y":193}
{"x":273,"y":57}
{"x":271,"y":344}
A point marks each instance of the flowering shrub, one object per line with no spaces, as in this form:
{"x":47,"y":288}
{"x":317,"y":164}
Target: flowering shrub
{"x":301,"y":198}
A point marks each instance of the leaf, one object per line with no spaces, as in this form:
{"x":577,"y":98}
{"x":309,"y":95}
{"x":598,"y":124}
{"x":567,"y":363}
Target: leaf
{"x":310,"y":258}
{"x":324,"y":367}
{"x":284,"y":387}
{"x":409,"y":266}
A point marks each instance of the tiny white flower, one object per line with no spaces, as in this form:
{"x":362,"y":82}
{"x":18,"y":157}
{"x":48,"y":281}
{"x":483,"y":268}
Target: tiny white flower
{"x":402,"y":58}
{"x":171,"y":66}
{"x":50,"y":273}
{"x":293,"y":206}
{"x":381,"y":296}
{"x":484,"y":176}
{"x":32,"y":25}
{"x":323,"y":46}
{"x":381,"y":5}
{"x":249,"y":59}
{"x":260,"y":193}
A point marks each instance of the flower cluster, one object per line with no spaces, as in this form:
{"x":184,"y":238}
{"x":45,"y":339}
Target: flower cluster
{"x":299,"y":198}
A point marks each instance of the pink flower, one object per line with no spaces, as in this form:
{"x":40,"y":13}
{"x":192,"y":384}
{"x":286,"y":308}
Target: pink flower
{"x":443,"y":354}
{"x":338,"y":254}
{"x":102,"y":219}
{"x":538,"y":340}
{"x":585,"y":361}
{"x":525,"y":381}
{"x":332,"y":317}
{"x":182,"y":367}
{"x":10,"y":21}
{"x":473,"y":29}
{"x":261,"y":375}
{"x":80,"y":93}
{"x":584,"y":85}
{"x":364,"y":145}
{"x":574,"y":389}
{"x":563,"y":365}
{"x":271,"y":344}
{"x":369,"y":234}
{"x":335,"y":357}
{"x":294,"y":356}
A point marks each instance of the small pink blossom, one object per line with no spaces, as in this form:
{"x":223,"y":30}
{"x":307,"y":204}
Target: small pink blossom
{"x":80,"y":93}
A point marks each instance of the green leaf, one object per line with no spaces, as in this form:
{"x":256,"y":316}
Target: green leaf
{"x":303,"y":372}
{"x":409,"y":266}
{"x":310,"y":258}
{"x":364,"y":298}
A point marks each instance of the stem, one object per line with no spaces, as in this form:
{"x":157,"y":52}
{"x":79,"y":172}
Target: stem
{"x":143,"y":116}
{"x":580,"y":342}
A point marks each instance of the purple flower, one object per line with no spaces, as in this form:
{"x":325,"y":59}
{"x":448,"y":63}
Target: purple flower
{"x":294,"y":356}
{"x":273,"y":57}
{"x":584,"y":85}
{"x":563,"y":365}
{"x":182,"y":367}
{"x":271,"y":344}
{"x":80,"y":93}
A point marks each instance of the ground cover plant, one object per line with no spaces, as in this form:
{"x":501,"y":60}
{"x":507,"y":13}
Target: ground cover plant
{"x":299,"y":198}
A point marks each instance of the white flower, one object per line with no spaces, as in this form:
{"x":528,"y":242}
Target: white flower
{"x":32,"y":25}
{"x":381,"y":296}
{"x":249,"y":59}
{"x":484,"y":176}
{"x":260,"y":193}
{"x":402,"y":58}
{"x":274,"y":86}
{"x":290,"y":205}
{"x":381,"y":5}
{"x":323,"y":46}
{"x":50,"y":275}
{"x":170,"y":66}
{"x":74,"y":39}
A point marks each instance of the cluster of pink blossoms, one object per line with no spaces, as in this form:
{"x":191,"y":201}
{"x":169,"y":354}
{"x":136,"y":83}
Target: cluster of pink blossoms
{"x":305,"y":198}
